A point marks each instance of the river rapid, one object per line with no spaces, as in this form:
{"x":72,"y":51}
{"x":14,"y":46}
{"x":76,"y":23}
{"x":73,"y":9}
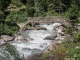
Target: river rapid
{"x":38,"y":44}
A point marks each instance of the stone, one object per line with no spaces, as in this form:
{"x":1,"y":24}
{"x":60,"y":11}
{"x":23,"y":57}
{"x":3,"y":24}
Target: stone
{"x":6,"y":38}
{"x":60,"y":38}
{"x":51,"y":46}
{"x":2,"y":42}
{"x":30,"y":39}
{"x":38,"y":28}
{"x":19,"y":38}
{"x":41,"y":28}
{"x":51,"y":37}
{"x":60,"y":30}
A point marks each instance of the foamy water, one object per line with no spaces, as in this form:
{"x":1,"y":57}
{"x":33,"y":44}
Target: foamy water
{"x":38,"y":44}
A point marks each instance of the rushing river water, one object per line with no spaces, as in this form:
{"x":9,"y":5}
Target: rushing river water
{"x":38,"y":44}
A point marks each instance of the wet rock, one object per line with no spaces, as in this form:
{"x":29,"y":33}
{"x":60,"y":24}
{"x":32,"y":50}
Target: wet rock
{"x":51,"y":46}
{"x":60,"y":38}
{"x":19,"y":38}
{"x":60,"y":30}
{"x":2,"y":42}
{"x":30,"y":39}
{"x":51,"y":37}
{"x":41,"y":28}
{"x":38,"y":28}
{"x":6,"y":38}
{"x":62,"y":33}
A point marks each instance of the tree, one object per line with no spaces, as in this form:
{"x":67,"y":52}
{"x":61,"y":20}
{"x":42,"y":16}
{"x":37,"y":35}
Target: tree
{"x":72,"y":14}
{"x":3,"y":6}
{"x":39,"y":6}
{"x":16,"y":17}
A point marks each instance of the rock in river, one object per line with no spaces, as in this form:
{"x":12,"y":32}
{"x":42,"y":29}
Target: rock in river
{"x":19,"y":38}
{"x":6,"y":38}
{"x":38,"y":28}
{"x":51,"y":37}
{"x":2,"y":42}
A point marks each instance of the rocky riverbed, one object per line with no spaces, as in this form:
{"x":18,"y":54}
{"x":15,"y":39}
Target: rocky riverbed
{"x":36,"y":39}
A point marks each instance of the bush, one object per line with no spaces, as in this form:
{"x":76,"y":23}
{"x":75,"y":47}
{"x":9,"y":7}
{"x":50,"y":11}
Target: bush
{"x":12,"y":50}
{"x":77,"y":37}
{"x":16,"y":17}
{"x":72,"y":14}
{"x":44,"y":56}
{"x":30,"y":11}
{"x":9,"y":52}
{"x":8,"y":28}
{"x":40,"y":14}
{"x":51,"y":13}
{"x":72,"y":49}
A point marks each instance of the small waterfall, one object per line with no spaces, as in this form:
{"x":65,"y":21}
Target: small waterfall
{"x":51,"y":27}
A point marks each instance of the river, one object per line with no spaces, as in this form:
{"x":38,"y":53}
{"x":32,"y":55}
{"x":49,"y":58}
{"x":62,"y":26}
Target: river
{"x":38,"y":44}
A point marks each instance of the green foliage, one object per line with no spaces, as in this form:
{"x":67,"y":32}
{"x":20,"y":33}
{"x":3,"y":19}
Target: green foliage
{"x":4,"y":4}
{"x":68,"y":30}
{"x":29,"y":3}
{"x":16,"y":3}
{"x":1,"y":13}
{"x":9,"y":52}
{"x":12,"y":50}
{"x":72,"y":14}
{"x":44,"y":56}
{"x":52,"y":13}
{"x":39,"y":6}
{"x":72,"y":49}
{"x":8,"y":29}
{"x":16,"y":17}
{"x":1,"y":28}
{"x":30,"y":11}
{"x":27,"y":26}
{"x":77,"y":37}
{"x":39,"y":13}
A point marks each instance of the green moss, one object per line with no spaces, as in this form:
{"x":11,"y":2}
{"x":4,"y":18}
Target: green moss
{"x":44,"y":56}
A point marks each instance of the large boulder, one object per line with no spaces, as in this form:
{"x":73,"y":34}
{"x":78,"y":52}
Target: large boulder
{"x":51,"y":37}
{"x":6,"y":38}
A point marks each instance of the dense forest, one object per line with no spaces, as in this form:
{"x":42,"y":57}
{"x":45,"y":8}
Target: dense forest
{"x":17,"y":11}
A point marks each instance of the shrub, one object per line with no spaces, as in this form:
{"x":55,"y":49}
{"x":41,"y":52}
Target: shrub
{"x":12,"y":50}
{"x":77,"y":37}
{"x":16,"y":17}
{"x":8,"y":28}
{"x":44,"y":56}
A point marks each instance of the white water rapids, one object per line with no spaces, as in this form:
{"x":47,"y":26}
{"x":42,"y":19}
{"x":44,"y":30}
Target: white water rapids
{"x":38,"y":44}
{"x":27,"y":48}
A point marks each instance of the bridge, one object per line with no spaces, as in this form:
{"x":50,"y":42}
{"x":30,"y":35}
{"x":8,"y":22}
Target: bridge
{"x":47,"y":20}
{"x":43,"y":20}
